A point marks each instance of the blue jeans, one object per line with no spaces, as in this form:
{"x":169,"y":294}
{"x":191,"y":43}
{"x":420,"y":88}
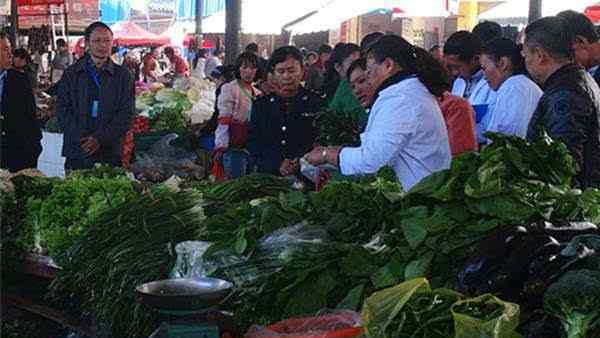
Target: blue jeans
{"x":235,"y":163}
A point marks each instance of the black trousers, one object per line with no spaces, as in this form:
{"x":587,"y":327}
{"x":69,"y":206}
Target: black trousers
{"x":17,"y":160}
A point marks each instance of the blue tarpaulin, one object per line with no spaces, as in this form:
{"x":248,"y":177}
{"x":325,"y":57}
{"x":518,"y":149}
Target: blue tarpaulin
{"x":112,"y":11}
{"x":186,"y":9}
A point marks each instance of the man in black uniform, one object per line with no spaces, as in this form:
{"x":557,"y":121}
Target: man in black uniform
{"x":281,"y":124}
{"x":21,"y":133}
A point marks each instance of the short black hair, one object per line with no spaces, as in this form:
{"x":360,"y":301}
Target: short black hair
{"x":411,"y":59}
{"x":283,"y":53}
{"x":580,"y":24}
{"x":488,"y":31}
{"x":501,"y":47}
{"x":169,"y":51}
{"x":464,"y":44}
{"x":434,"y":48}
{"x":357,"y":64}
{"x":22,"y":53}
{"x":324,"y":49}
{"x":369,"y":39}
{"x":552,"y":34}
{"x":252,"y":47}
{"x":61,"y":43}
{"x":246,"y":58}
{"x":96,"y":25}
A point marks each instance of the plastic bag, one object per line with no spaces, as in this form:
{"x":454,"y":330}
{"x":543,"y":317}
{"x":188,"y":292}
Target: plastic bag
{"x":413,"y":309}
{"x":190,"y":263}
{"x":338,"y":324}
{"x":501,"y":323}
{"x":163,"y":160}
{"x":217,"y":171}
{"x":272,"y":253}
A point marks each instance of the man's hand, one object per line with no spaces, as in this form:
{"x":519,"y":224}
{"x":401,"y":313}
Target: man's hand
{"x":288,"y":167}
{"x":90,"y":145}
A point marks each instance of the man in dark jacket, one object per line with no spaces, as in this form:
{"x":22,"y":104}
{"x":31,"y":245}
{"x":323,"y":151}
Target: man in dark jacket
{"x":20,"y":129}
{"x":568,"y":110}
{"x":95,"y":104}
{"x":282,"y":124}
{"x":586,"y":45}
{"x":315,"y":76}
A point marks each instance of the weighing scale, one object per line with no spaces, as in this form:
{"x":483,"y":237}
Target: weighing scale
{"x":188,"y":308}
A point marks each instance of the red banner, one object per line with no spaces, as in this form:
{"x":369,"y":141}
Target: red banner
{"x":39,"y":2}
{"x":80,"y":13}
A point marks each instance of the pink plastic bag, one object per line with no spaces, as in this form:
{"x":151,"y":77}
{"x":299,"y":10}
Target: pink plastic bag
{"x":340,"y":324}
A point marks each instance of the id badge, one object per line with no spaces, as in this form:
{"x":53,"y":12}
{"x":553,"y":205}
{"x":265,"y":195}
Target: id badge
{"x":95,"y":109}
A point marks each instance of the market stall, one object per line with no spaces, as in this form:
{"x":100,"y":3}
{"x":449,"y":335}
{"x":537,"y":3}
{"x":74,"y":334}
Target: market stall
{"x":491,"y":247}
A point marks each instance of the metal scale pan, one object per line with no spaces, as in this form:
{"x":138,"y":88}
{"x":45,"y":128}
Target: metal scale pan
{"x":184,"y":294}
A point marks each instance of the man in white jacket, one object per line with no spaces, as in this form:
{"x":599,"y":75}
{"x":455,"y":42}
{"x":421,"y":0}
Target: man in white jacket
{"x":406,"y":130}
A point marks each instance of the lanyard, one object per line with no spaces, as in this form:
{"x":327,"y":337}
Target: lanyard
{"x":91,"y":70}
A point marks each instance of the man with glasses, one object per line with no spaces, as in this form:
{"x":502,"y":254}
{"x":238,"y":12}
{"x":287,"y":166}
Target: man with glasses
{"x":461,"y":53}
{"x":95,"y":104}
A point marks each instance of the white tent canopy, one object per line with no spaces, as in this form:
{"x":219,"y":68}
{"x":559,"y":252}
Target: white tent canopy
{"x":516,"y":11}
{"x":260,"y":16}
{"x":338,"y":11}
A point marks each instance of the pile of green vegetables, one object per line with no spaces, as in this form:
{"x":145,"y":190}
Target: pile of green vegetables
{"x":291,"y":253}
{"x":16,"y":237}
{"x":356,"y":237}
{"x":55,"y":221}
{"x":339,"y":128}
{"x":166,"y":110}
{"x":121,"y":248}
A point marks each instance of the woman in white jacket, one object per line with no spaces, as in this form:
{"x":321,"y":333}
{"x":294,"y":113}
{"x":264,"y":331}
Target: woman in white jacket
{"x":517,"y":96}
{"x":406,"y":129}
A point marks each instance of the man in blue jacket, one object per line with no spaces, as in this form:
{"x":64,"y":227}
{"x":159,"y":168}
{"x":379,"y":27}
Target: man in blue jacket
{"x":96,"y":102}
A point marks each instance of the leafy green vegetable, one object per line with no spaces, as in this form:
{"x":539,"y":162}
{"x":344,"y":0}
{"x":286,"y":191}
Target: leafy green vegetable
{"x":123,"y":247}
{"x":74,"y":203}
{"x":575,"y":300}
{"x":338,"y":128}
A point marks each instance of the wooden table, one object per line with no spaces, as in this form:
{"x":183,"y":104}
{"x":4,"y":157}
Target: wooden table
{"x":43,"y":267}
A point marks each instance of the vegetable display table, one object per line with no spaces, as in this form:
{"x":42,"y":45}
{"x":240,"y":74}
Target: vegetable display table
{"x":40,"y":270}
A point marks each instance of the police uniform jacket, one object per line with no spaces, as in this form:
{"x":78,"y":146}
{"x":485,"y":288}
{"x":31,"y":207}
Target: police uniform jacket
{"x":282,"y":128}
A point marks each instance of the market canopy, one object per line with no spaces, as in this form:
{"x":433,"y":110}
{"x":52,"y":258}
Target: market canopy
{"x":516,"y":12}
{"x":262,"y":16}
{"x":334,"y":13}
{"x":127,"y":33}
